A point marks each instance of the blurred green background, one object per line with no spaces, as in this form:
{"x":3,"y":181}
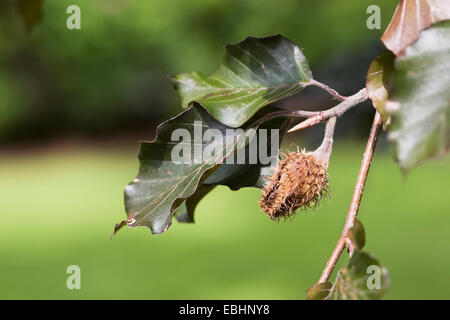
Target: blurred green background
{"x":73,"y":104}
{"x":59,"y":209}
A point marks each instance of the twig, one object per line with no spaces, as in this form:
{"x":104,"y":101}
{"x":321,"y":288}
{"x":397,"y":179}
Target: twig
{"x":336,"y":111}
{"x":356,"y":199}
{"x":331,"y":91}
{"x":314,"y":117}
{"x":324,"y":150}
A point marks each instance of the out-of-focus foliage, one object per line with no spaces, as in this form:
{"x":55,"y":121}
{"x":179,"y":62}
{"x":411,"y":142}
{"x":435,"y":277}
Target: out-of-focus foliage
{"x":410,"y":18}
{"x":363,"y":278}
{"x":30,"y":11}
{"x":378,"y":80}
{"x":112,"y":72}
{"x":420,"y":98}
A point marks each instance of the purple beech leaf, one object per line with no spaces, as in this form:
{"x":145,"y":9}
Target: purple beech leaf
{"x":419,"y":99}
{"x":363,"y":278}
{"x":162,"y":184}
{"x":319,"y":291}
{"x":356,"y":237}
{"x":253,"y":74}
{"x":410,"y":18}
{"x":378,"y":80}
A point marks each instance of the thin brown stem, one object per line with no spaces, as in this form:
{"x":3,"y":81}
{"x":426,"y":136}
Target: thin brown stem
{"x":356,"y":199}
{"x":325,"y":148}
{"x":331,"y":91}
{"x":336,"y":111}
{"x":314,"y":117}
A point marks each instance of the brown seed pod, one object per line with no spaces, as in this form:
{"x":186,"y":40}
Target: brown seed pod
{"x":300,"y":180}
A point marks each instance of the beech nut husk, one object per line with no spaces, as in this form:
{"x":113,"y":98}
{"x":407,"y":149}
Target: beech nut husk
{"x":299,"y":181}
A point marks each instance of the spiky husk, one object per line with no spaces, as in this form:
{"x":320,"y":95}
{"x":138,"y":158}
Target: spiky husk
{"x":300,"y":180}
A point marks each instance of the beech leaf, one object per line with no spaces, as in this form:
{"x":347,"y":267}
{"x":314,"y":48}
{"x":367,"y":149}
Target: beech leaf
{"x":163,"y":184}
{"x":410,"y":18}
{"x":378,"y":80}
{"x":237,"y":176}
{"x":253,"y":74}
{"x":319,"y":291}
{"x":363,"y":278}
{"x":420,"y":98}
{"x":356,"y":237}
